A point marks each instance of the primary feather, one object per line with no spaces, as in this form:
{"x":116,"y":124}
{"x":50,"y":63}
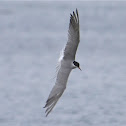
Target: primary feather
{"x":73,"y":36}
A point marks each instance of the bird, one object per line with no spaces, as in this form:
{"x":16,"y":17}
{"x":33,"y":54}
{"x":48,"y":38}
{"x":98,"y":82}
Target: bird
{"x":66,"y":62}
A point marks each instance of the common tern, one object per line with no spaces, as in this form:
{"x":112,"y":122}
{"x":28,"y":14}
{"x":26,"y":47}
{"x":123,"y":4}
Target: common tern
{"x":66,"y":63}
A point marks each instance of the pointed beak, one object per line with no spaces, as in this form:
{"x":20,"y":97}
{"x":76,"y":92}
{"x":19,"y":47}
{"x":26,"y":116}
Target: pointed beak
{"x":79,"y":68}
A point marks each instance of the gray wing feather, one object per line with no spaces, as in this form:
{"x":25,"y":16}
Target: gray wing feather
{"x":58,"y":89}
{"x":73,"y":37}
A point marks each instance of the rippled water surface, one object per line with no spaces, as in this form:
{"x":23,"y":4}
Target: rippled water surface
{"x":31,"y":37}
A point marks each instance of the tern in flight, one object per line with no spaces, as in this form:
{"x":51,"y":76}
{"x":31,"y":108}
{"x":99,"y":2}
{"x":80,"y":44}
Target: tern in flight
{"x":66,"y":63}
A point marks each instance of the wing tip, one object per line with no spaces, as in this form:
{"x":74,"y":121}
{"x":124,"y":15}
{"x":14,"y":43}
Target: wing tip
{"x":74,"y":18}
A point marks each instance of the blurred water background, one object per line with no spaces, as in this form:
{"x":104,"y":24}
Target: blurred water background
{"x":31,"y":37}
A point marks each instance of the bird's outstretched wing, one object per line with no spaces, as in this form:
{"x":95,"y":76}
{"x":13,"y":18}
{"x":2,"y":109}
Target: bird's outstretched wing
{"x":73,"y":37}
{"x":58,"y":89}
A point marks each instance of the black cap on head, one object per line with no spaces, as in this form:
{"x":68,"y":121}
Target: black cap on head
{"x":76,"y":64}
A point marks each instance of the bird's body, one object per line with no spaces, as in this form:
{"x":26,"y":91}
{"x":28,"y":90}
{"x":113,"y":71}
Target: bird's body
{"x":66,"y":63}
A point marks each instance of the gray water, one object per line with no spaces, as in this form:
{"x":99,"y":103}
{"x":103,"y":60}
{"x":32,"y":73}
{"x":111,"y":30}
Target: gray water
{"x":31,"y":37}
